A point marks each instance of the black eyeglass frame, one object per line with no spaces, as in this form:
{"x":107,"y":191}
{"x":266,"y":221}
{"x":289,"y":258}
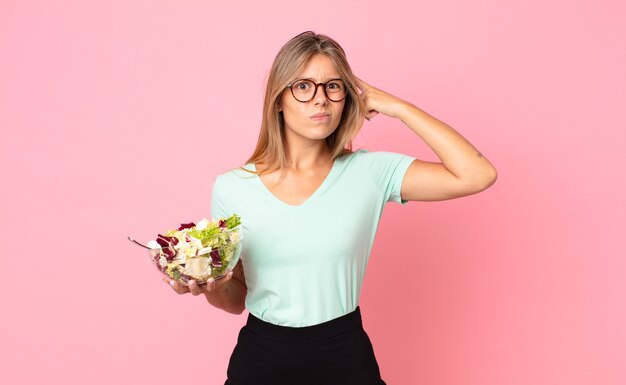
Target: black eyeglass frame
{"x":346,"y":85}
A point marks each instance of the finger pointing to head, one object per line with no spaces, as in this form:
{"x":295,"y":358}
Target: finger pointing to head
{"x":361,"y":84}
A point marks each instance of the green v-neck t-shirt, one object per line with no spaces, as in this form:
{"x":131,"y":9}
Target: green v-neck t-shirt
{"x":304,"y":264}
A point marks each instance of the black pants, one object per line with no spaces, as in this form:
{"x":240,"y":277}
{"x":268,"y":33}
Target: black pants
{"x":337,"y":352}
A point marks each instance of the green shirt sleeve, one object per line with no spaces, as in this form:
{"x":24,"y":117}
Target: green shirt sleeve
{"x":387,"y":170}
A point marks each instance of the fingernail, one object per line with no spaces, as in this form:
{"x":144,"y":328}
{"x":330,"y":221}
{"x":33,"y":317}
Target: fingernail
{"x":230,"y":274}
{"x":172,"y":283}
{"x":210,"y":280}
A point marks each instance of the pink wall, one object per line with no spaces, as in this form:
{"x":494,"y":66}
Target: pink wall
{"x":117,"y":115}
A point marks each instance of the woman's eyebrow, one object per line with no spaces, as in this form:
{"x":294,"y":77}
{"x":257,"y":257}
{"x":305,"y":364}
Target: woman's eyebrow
{"x":329,"y":78}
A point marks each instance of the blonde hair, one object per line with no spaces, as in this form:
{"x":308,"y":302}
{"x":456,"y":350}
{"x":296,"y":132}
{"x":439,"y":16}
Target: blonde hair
{"x":290,"y":60}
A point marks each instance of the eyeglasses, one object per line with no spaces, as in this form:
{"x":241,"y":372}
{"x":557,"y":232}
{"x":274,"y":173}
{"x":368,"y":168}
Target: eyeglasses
{"x":304,"y":90}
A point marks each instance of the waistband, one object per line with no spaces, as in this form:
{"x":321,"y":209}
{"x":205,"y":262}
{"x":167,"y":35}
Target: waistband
{"x":303,"y":334}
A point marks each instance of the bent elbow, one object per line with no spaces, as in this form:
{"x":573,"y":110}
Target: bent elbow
{"x":482,"y":182}
{"x":491,"y":178}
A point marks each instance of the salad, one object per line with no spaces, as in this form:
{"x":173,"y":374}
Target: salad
{"x":198,"y":251}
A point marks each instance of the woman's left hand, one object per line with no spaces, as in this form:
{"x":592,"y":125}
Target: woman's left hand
{"x":378,"y":101}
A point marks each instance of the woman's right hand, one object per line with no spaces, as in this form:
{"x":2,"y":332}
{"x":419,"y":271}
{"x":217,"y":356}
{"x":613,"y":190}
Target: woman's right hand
{"x":211,"y":286}
{"x":227,"y":293}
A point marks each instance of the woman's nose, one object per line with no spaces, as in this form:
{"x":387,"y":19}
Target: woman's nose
{"x":320,"y":95}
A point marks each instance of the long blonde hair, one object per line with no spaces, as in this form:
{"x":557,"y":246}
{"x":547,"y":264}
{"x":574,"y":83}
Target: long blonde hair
{"x":290,"y":60}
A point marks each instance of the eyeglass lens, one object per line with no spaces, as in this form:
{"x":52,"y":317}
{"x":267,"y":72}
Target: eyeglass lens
{"x":303,"y":90}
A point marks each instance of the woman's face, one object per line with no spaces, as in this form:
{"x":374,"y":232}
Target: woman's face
{"x":298,"y":116}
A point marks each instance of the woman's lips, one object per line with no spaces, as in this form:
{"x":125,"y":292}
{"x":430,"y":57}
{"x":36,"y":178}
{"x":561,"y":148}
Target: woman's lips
{"x":320,"y":117}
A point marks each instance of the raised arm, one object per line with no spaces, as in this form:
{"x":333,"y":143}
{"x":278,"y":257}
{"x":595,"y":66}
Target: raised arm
{"x":463,"y":170}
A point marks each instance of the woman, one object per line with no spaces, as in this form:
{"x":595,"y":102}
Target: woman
{"x":310,"y":207}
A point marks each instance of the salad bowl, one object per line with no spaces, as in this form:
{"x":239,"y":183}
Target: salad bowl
{"x":197,"y":251}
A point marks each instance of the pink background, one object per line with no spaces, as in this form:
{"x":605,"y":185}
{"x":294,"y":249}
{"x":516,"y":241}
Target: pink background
{"x":117,"y":115}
